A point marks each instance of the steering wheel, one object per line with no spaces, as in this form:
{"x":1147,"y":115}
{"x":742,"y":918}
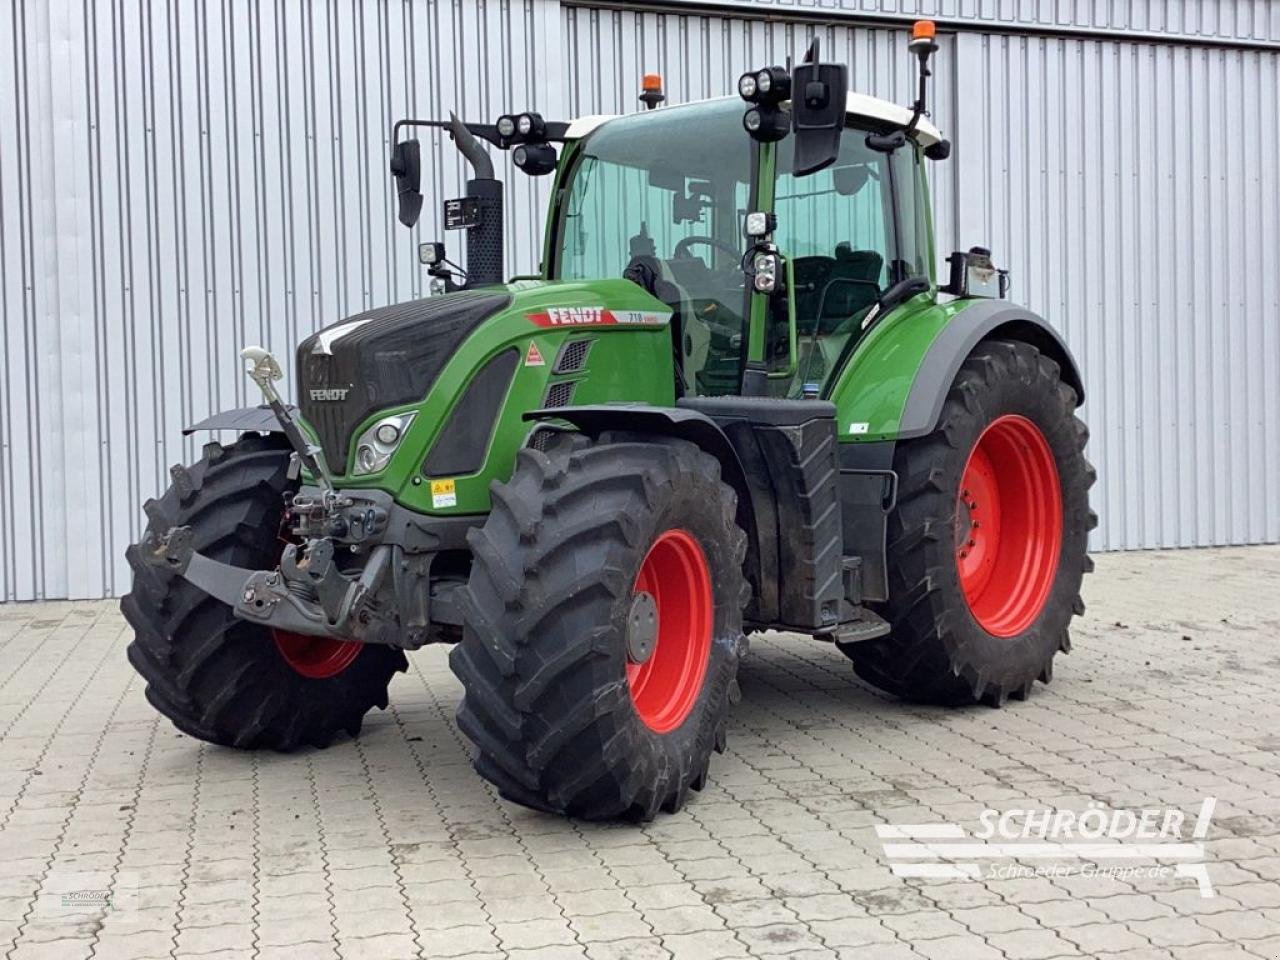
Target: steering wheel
{"x":682,"y":247}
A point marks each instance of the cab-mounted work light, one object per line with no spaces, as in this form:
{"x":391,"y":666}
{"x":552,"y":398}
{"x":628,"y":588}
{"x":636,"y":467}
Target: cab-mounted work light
{"x":766,"y":90}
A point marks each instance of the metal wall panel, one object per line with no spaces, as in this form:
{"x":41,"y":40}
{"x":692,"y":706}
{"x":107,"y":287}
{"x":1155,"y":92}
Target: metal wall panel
{"x":1232,"y":21}
{"x":180,"y":178}
{"x":1132,"y":189}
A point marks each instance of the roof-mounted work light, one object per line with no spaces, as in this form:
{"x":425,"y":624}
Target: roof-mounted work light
{"x":766,"y":90}
{"x":526,"y":127}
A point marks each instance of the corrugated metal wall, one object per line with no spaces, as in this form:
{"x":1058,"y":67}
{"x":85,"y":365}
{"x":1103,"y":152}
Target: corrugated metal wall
{"x":180,"y":178}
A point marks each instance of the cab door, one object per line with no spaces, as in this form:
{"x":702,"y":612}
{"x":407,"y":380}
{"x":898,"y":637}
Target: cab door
{"x":848,"y":232}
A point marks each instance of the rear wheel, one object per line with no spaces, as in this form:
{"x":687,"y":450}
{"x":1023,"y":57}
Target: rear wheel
{"x":220,"y":678}
{"x":987,"y":546}
{"x":603,"y":627}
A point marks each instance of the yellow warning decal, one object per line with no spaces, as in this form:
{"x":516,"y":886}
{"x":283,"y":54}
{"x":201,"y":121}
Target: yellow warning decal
{"x":443,"y":494}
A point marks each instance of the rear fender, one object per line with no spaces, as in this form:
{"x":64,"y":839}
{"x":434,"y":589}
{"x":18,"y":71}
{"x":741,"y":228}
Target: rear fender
{"x":983,"y":320}
{"x":894,"y":385}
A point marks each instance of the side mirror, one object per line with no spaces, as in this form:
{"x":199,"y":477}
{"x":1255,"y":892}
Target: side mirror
{"x":406,"y":167}
{"x":818,"y":99}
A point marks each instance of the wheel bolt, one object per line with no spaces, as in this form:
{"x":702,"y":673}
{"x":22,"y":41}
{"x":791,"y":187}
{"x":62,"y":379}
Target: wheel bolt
{"x":972,"y":543}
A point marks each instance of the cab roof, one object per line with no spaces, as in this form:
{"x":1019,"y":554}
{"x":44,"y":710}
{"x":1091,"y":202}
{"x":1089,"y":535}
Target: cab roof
{"x":858,"y":104}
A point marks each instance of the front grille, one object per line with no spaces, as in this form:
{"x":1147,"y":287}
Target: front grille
{"x":381,"y":358}
{"x":559,"y":394}
{"x":572,"y":356}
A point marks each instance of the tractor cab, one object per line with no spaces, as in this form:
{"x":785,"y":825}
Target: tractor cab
{"x":663,"y":199}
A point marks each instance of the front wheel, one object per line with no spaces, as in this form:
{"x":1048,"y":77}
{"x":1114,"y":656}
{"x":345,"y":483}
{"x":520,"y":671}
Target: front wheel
{"x":603,"y":627}
{"x":987,"y":545}
{"x":220,"y":678}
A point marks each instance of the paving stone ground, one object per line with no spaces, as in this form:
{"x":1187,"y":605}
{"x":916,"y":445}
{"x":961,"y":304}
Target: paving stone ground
{"x":121,"y":838}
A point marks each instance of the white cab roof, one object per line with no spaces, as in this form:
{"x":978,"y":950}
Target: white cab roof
{"x":859,"y":104}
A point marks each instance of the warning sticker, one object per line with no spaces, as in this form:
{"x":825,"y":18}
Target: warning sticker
{"x":443,"y":494}
{"x":534,"y":357}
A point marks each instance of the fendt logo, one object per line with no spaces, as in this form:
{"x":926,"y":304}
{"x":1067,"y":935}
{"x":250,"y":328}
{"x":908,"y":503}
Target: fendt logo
{"x":591,"y":316}
{"x":331,"y":393}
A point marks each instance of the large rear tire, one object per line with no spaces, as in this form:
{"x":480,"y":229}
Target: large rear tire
{"x":603,"y":627}
{"x":222,"y":679}
{"x":988,"y":543}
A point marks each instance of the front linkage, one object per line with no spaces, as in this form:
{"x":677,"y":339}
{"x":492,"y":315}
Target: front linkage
{"x":388,"y":600}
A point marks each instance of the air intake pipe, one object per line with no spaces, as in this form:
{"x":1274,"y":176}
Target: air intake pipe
{"x":484,"y":238}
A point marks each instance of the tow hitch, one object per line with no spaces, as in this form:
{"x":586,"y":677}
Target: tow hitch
{"x":308,"y":593}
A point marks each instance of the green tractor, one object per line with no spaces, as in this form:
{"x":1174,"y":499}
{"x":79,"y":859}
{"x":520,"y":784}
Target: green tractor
{"x":732,"y":400}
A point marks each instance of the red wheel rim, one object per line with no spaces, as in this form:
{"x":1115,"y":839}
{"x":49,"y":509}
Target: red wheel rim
{"x":314,"y":657}
{"x":1008,"y":526}
{"x":666,"y":686}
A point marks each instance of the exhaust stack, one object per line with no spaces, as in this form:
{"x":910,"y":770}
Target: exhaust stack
{"x":483,"y":216}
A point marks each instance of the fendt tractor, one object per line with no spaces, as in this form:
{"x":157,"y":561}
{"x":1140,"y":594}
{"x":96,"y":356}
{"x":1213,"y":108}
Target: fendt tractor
{"x":734,"y":398}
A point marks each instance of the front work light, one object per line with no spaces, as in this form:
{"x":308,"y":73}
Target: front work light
{"x":535,"y":159}
{"x":768,"y":124}
{"x":760,"y":224}
{"x":773,"y":85}
{"x":531,"y":126}
{"x":767,"y":89}
{"x":506,"y":127}
{"x":430,"y":254}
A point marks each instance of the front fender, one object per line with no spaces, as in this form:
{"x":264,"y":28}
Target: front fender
{"x":242,"y":420}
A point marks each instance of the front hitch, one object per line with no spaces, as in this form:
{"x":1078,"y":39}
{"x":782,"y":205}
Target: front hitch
{"x":307,"y":594}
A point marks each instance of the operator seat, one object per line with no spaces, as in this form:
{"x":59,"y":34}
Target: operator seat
{"x":852,"y":285}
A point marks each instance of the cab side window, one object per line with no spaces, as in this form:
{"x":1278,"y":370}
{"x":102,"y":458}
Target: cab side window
{"x":837,"y":227}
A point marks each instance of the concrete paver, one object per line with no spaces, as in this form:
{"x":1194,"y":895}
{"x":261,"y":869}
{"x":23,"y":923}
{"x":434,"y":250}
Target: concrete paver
{"x":122,"y":838}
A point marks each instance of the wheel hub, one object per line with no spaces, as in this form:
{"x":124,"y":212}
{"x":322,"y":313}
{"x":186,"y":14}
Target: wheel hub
{"x":642,"y":628}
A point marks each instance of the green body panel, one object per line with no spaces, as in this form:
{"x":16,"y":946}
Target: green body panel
{"x":625,"y":362}
{"x":871,"y":390}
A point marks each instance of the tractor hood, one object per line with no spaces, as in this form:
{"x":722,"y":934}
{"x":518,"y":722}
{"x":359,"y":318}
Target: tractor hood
{"x":382,"y":358}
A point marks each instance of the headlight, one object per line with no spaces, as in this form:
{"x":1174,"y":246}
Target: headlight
{"x":375,"y":446}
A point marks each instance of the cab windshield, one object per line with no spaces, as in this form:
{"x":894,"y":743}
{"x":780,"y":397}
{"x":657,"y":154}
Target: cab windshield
{"x":659,"y":197}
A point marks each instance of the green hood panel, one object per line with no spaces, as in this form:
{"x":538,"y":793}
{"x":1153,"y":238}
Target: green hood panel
{"x":623,"y":345}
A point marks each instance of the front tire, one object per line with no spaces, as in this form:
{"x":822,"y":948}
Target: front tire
{"x":988,"y":543}
{"x":222,"y":679}
{"x":603,"y":627}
